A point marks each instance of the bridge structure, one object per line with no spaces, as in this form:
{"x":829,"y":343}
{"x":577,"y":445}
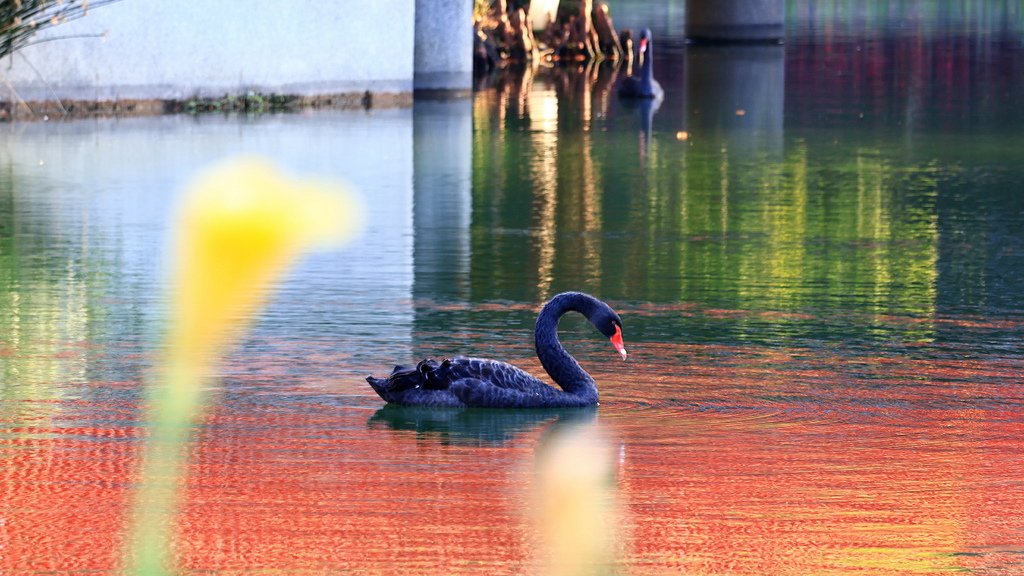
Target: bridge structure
{"x":142,"y":50}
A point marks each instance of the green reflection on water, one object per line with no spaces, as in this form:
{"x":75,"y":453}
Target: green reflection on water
{"x":803,"y":232}
{"x":45,"y":306}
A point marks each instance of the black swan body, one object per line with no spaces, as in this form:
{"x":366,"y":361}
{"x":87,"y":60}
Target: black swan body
{"x":643,"y":85}
{"x":482,"y":383}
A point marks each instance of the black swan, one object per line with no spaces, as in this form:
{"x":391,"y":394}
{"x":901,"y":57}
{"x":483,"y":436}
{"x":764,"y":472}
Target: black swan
{"x":643,"y":85}
{"x":478,"y":382}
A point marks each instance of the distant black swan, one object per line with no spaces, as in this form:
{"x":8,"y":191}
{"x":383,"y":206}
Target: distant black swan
{"x":477,"y":382}
{"x":643,"y":85}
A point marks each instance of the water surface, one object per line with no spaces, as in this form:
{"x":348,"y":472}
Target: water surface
{"x":816,"y":249}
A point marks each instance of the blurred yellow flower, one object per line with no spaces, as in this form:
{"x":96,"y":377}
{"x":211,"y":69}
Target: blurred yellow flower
{"x":242,"y":223}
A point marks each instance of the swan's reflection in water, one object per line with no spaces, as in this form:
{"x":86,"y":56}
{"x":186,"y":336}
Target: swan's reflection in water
{"x":644,"y":109}
{"x":476,"y":426}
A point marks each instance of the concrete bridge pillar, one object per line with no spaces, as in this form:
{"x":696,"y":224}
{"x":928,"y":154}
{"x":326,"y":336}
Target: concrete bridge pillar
{"x":735,"y":20}
{"x":443,"y":45}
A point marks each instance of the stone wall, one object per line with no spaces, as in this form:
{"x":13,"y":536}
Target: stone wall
{"x":152,"y":49}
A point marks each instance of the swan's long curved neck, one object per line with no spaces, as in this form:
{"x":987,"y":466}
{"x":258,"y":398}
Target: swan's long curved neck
{"x":647,"y":74}
{"x":558,"y":363}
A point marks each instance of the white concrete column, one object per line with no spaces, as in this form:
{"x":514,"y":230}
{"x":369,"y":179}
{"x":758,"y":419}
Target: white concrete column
{"x":444,"y":45}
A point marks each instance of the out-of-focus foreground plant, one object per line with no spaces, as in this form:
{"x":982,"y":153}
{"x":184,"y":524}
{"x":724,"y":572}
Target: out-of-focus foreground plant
{"x":240,"y":227}
{"x":22,"y":19}
{"x":576,"y":513}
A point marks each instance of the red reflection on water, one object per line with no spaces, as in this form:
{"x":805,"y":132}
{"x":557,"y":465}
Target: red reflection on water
{"x":319,"y":490}
{"x":734,"y":460}
{"x":846,"y":464}
{"x":64,"y":493}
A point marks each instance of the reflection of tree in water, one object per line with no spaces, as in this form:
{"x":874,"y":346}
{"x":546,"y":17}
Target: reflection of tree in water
{"x":584,"y":91}
{"x":6,"y":225}
{"x":46,"y":279}
{"x":474,"y":426}
{"x":552,"y":113}
{"x":839,"y":234}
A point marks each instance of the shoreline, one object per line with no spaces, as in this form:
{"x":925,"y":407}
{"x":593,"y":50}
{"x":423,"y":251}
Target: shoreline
{"x":12,"y":111}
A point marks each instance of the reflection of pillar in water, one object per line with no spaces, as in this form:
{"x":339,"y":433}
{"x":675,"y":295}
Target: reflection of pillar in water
{"x":735,"y":96}
{"x":734,"y":115}
{"x":442,"y":171}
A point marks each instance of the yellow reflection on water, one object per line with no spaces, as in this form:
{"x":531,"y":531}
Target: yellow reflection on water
{"x":46,"y":324}
{"x":543,"y":109}
{"x":45,"y":311}
{"x":589,"y":214}
{"x":773,"y":268}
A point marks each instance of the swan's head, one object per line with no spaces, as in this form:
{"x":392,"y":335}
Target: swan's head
{"x":645,"y":39}
{"x":610,"y":325}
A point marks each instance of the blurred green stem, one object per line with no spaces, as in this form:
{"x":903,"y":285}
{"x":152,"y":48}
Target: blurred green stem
{"x":174,"y":404}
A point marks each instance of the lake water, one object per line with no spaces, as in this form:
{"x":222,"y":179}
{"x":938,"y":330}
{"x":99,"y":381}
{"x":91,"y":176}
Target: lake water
{"x":817,"y":250}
